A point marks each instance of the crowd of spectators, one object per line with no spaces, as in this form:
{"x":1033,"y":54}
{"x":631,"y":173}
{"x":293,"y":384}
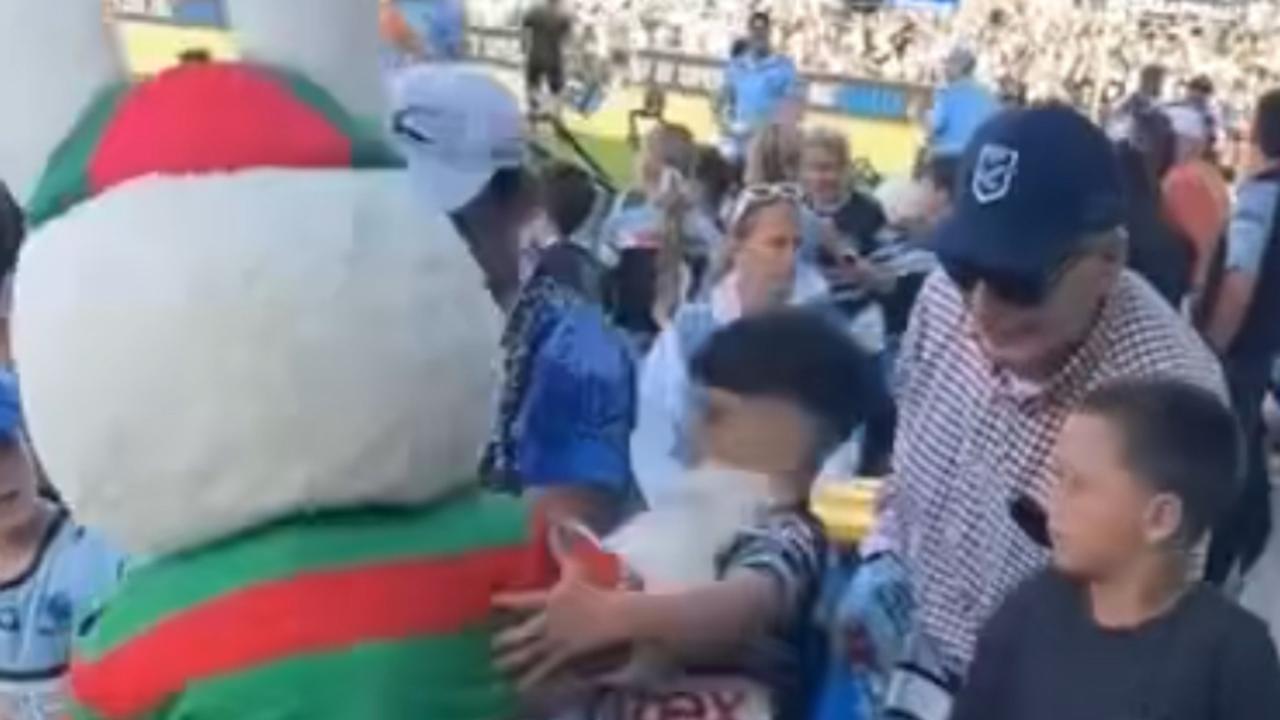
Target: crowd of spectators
{"x":1041,"y":49}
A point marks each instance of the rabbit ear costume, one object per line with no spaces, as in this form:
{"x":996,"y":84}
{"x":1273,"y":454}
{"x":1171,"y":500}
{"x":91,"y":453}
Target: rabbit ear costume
{"x":250,"y":358}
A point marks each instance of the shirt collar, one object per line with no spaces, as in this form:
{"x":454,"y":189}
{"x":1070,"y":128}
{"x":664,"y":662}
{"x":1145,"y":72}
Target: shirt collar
{"x":1080,"y":364}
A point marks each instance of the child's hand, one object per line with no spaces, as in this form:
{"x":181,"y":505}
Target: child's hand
{"x":572,"y":620}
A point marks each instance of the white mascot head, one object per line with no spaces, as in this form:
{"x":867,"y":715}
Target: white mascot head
{"x":229,"y":312}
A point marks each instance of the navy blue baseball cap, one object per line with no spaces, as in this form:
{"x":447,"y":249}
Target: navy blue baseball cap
{"x":1033,"y":184}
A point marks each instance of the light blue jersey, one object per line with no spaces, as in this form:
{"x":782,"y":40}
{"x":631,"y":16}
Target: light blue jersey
{"x":759,"y":87}
{"x":959,"y":109}
{"x":73,"y":571}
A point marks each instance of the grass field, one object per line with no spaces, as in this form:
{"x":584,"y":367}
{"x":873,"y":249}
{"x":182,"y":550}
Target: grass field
{"x":613,"y":154}
{"x":890,"y":146}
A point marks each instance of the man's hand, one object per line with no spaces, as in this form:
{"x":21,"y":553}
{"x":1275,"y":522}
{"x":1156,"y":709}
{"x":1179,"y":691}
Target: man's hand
{"x":862,"y":273}
{"x":571,"y":621}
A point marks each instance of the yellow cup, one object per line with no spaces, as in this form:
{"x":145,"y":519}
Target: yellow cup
{"x":846,"y":507}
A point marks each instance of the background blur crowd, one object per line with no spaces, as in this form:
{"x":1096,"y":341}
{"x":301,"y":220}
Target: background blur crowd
{"x":1034,"y":340}
{"x":1042,"y":49}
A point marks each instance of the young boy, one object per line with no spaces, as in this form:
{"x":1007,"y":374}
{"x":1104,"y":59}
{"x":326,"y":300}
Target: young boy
{"x":772,"y":413}
{"x":52,"y":574}
{"x":1115,"y":629}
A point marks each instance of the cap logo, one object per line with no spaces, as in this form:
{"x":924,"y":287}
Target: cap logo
{"x":994,"y":172}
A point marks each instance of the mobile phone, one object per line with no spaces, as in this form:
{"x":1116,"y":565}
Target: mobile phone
{"x":1031,"y":518}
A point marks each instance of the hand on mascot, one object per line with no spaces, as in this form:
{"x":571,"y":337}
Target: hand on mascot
{"x":571,"y":623}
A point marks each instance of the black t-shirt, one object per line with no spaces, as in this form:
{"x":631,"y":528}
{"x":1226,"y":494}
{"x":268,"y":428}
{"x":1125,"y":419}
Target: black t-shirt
{"x":1043,"y":658}
{"x":548,"y":30}
{"x":1159,"y":253}
{"x":858,"y":219}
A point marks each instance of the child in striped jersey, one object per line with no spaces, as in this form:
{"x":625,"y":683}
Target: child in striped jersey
{"x":745,"y":623}
{"x":52,"y":574}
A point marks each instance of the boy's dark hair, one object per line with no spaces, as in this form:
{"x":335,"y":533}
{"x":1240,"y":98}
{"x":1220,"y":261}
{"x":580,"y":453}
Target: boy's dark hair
{"x":1266,"y":124}
{"x":759,"y":18}
{"x":13,"y":230}
{"x":801,"y":356}
{"x":1178,"y":438}
{"x":942,"y":171}
{"x":717,"y":175}
{"x":569,"y":196}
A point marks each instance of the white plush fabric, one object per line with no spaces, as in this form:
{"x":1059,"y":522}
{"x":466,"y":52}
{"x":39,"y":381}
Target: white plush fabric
{"x":333,"y":42}
{"x":201,"y":355}
{"x":55,"y":55}
{"x":676,"y":545}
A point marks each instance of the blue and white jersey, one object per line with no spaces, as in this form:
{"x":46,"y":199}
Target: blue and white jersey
{"x":73,"y":571}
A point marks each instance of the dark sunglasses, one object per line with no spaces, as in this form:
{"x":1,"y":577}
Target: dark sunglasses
{"x":1023,"y":291}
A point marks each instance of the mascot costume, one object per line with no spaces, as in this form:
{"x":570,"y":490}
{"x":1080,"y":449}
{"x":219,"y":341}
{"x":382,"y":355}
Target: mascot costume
{"x":252,"y":360}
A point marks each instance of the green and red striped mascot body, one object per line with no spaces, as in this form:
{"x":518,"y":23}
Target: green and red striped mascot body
{"x":251,"y":357}
{"x":375,"y":614}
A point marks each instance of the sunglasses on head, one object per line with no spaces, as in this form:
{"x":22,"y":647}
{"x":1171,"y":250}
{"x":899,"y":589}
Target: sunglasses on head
{"x":753,"y":196}
{"x":1021,"y":290}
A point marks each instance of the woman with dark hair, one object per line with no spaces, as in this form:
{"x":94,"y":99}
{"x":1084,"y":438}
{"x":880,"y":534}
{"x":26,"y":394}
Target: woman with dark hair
{"x":1156,"y":250}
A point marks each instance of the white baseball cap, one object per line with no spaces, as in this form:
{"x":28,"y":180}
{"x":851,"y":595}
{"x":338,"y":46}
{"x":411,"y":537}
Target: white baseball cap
{"x":457,"y":126}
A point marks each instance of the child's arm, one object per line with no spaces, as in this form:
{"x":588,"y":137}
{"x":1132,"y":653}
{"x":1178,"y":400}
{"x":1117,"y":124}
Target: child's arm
{"x":768,"y":575}
{"x":576,"y":619}
{"x":706,"y":622}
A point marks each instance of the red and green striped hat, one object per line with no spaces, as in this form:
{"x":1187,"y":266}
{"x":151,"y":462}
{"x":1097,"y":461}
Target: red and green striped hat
{"x":203,"y":117}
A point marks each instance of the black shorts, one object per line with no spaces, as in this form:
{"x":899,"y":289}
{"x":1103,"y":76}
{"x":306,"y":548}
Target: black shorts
{"x":536,"y":73}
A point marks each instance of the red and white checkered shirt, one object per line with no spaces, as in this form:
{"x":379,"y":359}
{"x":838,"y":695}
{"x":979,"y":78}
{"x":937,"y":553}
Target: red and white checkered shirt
{"x":972,"y":438}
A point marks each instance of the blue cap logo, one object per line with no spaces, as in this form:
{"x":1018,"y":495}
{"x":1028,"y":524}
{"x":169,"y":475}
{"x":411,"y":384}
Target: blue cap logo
{"x":993,"y":173}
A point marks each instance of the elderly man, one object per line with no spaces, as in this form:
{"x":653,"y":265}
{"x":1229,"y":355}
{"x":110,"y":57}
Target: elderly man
{"x":1034,"y":309}
{"x":960,"y":107}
